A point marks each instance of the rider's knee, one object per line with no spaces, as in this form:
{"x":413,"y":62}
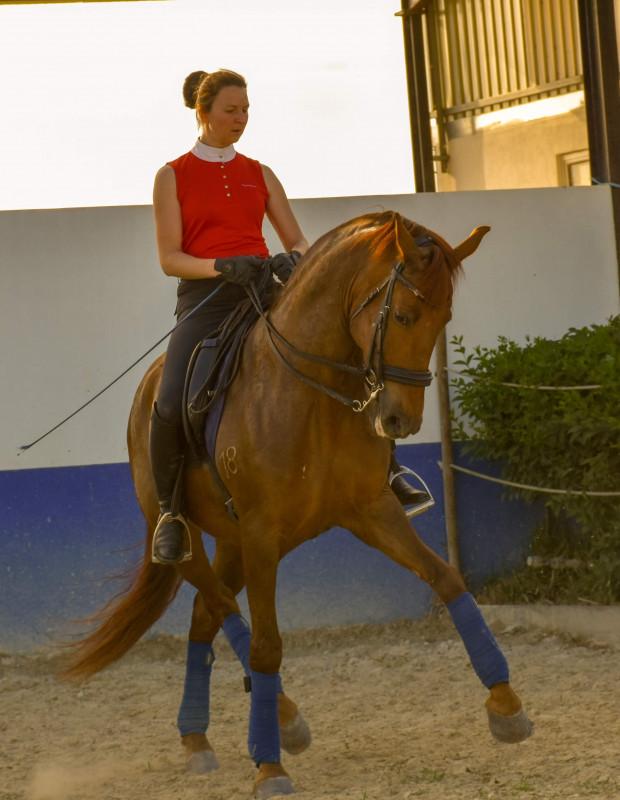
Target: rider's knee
{"x":168,"y":411}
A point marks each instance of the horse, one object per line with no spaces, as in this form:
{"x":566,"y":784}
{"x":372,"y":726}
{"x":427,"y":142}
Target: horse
{"x":332,"y":374}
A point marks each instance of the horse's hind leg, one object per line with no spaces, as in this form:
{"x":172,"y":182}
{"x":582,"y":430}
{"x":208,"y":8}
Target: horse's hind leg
{"x":387,"y":529}
{"x":194,"y":712}
{"x":213,"y":602}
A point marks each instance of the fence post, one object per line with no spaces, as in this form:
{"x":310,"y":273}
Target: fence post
{"x":447,"y":451}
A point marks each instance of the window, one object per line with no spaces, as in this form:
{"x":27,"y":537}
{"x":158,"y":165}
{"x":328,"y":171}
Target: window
{"x":574,"y":168}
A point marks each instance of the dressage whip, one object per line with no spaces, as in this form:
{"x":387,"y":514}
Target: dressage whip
{"x":25,"y":447}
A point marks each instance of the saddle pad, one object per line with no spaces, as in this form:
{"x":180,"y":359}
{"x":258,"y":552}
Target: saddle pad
{"x":214,"y":413}
{"x":213,"y":367}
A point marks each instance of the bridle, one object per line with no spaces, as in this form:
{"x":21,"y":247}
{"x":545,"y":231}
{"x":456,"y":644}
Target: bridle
{"x":374,"y":372}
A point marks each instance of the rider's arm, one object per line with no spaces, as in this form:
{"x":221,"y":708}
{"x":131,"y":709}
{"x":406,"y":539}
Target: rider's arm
{"x":169,"y":231}
{"x":280,"y":214}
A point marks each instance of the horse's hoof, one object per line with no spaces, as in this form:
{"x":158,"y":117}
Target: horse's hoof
{"x":202,"y":762}
{"x":273,"y":787}
{"x":510,"y":729}
{"x":295,"y":737}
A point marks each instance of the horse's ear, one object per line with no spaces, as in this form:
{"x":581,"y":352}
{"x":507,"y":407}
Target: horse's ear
{"x":470,"y":245}
{"x":407,"y":249}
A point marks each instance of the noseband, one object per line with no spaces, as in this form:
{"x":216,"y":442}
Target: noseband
{"x":374,"y":372}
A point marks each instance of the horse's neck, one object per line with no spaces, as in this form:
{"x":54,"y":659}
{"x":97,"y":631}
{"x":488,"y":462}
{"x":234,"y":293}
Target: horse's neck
{"x":312,"y":313}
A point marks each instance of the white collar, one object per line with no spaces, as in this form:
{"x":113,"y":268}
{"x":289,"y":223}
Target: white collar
{"x":207,"y":153}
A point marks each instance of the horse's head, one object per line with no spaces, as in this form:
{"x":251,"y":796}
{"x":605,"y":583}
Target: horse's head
{"x":400,"y":301}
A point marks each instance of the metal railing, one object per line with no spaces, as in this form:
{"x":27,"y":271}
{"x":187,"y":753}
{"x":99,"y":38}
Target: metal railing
{"x":490,"y":54}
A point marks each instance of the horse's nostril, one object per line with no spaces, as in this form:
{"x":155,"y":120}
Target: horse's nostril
{"x":392,"y":425}
{"x":397,"y":426}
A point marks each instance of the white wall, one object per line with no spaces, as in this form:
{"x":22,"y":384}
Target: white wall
{"x":514,"y":148}
{"x":83,"y":297}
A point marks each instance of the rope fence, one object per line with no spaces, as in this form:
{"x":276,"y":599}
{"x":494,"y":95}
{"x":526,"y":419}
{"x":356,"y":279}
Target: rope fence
{"x":528,"y":487}
{"x":525,"y":486}
{"x":605,"y":183}
{"x":529,"y":386}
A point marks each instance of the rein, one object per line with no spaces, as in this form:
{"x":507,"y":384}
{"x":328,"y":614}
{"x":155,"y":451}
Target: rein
{"x":374,"y":377}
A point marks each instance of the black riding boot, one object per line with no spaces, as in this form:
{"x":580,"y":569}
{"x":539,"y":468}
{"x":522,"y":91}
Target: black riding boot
{"x":167,"y":445}
{"x":414,"y":500}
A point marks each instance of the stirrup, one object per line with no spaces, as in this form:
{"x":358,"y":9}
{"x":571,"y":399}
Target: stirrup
{"x":169,"y":517}
{"x":413,"y":511}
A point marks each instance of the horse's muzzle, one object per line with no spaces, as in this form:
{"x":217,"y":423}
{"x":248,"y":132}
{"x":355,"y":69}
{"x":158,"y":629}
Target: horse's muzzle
{"x":397,"y":425}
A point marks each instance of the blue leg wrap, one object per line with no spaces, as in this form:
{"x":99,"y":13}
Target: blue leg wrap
{"x":264,"y":733}
{"x":239,"y":635}
{"x":194,"y":712}
{"x":486,"y":657}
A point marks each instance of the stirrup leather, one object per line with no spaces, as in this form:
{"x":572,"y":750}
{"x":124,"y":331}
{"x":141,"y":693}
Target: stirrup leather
{"x":413,"y":511}
{"x":169,"y":517}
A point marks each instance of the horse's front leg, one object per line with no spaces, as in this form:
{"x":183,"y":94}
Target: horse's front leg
{"x":295,"y":736}
{"x":383,"y":525}
{"x":261,"y":556}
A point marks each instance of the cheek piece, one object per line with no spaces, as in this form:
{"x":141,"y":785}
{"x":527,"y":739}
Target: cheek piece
{"x":486,"y":658}
{"x":194,"y":712}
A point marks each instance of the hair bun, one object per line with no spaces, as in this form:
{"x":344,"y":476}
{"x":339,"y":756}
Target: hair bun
{"x":191,"y":85}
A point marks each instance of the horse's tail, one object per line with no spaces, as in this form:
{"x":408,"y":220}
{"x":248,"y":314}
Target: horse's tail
{"x":149,"y":590}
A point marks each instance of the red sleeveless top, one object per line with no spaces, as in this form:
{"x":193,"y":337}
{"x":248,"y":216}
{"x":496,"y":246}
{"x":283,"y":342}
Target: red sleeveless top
{"x":222,"y":206}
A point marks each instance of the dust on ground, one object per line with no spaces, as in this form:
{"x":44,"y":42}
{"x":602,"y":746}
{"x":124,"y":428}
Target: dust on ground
{"x":396,"y":711}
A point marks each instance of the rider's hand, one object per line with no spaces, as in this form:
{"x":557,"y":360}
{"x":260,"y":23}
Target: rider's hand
{"x":283,"y":264}
{"x":239,"y":269}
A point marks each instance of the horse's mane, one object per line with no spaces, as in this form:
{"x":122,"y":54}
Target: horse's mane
{"x":349,"y":245}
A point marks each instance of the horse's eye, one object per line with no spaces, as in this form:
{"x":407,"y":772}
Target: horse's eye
{"x":402,"y":319}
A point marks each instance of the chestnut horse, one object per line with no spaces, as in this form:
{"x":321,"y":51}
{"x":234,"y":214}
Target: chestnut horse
{"x":352,"y":331}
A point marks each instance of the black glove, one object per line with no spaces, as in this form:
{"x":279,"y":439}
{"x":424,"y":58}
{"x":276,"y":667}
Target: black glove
{"x":282,"y":264}
{"x":239,"y":269}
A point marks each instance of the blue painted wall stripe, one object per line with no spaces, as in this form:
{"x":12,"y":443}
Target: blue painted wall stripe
{"x":63,"y":530}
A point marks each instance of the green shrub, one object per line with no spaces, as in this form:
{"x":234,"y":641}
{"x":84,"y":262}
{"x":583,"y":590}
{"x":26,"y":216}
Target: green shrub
{"x":567,"y":440}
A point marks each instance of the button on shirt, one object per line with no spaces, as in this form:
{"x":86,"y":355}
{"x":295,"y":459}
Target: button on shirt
{"x":223,"y":197}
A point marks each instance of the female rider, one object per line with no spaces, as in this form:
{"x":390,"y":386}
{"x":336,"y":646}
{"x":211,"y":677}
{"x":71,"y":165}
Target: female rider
{"x":209,"y":206}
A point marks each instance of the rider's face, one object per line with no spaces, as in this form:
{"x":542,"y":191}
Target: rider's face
{"x":226,"y":121}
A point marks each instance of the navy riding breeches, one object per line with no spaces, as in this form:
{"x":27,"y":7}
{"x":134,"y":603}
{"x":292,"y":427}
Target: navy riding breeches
{"x":185,"y":337}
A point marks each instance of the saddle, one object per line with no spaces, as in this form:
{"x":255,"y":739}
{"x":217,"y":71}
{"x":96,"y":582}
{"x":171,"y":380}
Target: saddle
{"x":212,"y":369}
